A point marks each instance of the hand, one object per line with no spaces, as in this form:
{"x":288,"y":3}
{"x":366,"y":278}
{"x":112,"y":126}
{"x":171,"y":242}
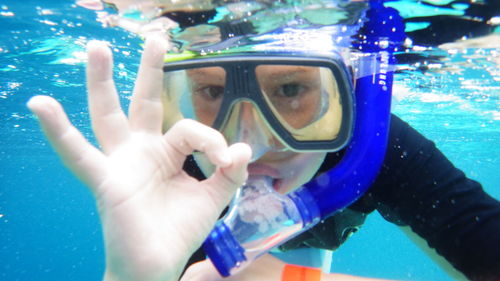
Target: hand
{"x":265,"y":268}
{"x":154,"y":215}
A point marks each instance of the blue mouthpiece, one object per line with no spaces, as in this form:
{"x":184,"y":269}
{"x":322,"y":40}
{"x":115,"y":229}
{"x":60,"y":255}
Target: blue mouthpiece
{"x":223,"y":249}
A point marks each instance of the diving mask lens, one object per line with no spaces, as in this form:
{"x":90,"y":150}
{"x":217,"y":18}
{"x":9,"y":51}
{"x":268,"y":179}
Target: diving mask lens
{"x":305,"y":103}
{"x":305,"y":100}
{"x":194,"y":93}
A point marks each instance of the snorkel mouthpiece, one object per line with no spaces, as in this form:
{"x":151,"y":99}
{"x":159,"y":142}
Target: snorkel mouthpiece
{"x":259,"y":218}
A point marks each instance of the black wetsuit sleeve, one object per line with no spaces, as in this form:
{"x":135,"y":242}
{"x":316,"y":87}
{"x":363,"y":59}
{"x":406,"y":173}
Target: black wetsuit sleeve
{"x":419,"y":187}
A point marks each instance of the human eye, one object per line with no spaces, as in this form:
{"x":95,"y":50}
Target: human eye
{"x":209,"y":92}
{"x":293,"y":96}
{"x":290,"y":90}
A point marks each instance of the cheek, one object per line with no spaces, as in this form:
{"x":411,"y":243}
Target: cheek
{"x":301,"y":169}
{"x":205,"y":111}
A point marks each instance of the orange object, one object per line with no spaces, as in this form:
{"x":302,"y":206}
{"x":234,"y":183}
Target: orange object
{"x":300,"y":273}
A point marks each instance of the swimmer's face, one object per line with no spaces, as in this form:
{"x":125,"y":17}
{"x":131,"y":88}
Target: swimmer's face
{"x":293,"y":91}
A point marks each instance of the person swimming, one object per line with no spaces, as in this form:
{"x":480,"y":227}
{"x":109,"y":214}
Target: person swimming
{"x":155,"y":215}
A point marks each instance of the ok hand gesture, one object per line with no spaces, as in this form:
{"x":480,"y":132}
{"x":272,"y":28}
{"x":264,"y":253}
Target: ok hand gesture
{"x":153,"y":214}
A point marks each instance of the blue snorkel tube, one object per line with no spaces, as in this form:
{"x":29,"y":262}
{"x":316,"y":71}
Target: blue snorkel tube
{"x":356,"y":172}
{"x":236,"y":241}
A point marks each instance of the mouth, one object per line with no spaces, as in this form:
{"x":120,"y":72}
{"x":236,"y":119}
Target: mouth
{"x":268,"y":171}
{"x":278,"y":186}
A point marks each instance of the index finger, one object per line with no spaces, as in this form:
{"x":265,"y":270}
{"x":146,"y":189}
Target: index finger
{"x":188,"y":135}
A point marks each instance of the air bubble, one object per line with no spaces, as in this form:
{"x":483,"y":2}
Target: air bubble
{"x":383,"y":44}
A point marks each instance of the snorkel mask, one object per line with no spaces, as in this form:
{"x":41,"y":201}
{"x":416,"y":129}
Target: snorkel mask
{"x":303,"y":91}
{"x":272,"y":102}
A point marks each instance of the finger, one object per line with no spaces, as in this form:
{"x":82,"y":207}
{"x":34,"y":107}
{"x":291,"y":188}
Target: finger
{"x":145,"y":112}
{"x":188,"y":135}
{"x":108,"y":120}
{"x":224,"y":182}
{"x":87,"y":162}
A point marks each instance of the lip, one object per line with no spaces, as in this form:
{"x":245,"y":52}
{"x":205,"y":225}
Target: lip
{"x":256,"y":169}
{"x":263,"y":170}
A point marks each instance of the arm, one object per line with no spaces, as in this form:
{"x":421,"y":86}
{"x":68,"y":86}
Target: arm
{"x":419,"y":187}
{"x":153,"y":214}
{"x":265,"y":268}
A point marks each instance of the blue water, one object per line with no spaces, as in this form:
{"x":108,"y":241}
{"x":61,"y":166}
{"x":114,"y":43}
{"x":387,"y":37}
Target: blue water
{"x":49,"y":228}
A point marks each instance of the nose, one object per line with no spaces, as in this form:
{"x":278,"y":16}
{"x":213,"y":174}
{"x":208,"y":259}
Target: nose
{"x":246,"y":125}
{"x":250,"y":122}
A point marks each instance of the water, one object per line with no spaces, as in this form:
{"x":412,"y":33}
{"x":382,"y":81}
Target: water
{"x":49,"y":228}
